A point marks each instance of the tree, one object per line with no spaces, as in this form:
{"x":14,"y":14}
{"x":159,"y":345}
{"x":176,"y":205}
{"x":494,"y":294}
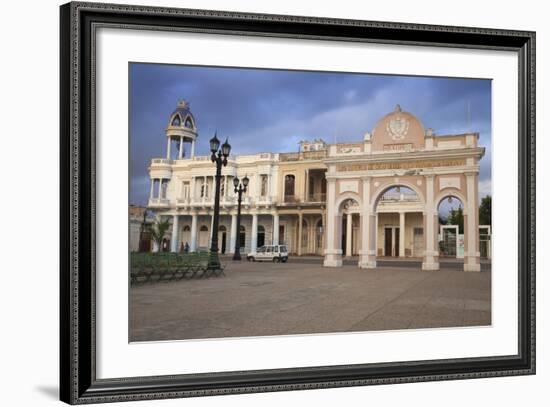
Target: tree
{"x":158,"y":231}
{"x":456,"y":217}
{"x":485,"y":211}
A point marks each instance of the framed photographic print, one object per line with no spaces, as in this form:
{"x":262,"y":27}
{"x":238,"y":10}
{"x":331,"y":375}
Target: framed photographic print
{"x":255,"y":203}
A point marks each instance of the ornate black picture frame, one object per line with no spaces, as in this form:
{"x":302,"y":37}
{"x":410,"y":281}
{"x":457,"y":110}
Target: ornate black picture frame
{"x":78,"y":381}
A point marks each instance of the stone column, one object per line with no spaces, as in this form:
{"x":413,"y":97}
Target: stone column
{"x":367,"y":258}
{"x":275,"y":228}
{"x":175,"y":234}
{"x":233,"y":234}
{"x":471,"y":257}
{"x":180,"y":152}
{"x":168,"y":148}
{"x":324,"y":238}
{"x":160,"y":189}
{"x":193,"y":244}
{"x":306,"y":189}
{"x":192,"y":148}
{"x":431,"y":252}
{"x":333,"y":255}
{"x":300,"y":220}
{"x":349,"y":231}
{"x":152,"y":188}
{"x":254,"y":236}
{"x":401,"y":234}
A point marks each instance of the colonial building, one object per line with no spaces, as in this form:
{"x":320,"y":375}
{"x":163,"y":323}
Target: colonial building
{"x":377,"y":197}
{"x":139,"y":234}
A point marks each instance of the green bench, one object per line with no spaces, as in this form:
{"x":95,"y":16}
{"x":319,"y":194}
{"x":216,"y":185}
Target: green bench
{"x":159,"y":267}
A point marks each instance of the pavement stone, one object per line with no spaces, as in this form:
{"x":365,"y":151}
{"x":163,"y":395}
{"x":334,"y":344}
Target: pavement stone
{"x":260,"y":299}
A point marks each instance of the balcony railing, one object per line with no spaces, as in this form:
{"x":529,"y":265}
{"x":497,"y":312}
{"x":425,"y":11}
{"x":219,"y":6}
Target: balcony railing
{"x":303,"y":155}
{"x":159,"y":202}
{"x":162,"y":161}
{"x":225,"y":201}
{"x":263,"y":200}
{"x":314,"y":198}
{"x":291,"y":199}
{"x":399,"y":197}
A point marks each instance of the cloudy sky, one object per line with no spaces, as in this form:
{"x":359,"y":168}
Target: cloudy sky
{"x":271,"y":111}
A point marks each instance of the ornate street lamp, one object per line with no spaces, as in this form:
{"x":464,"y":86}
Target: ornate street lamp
{"x":240,"y":187}
{"x":218,"y":157}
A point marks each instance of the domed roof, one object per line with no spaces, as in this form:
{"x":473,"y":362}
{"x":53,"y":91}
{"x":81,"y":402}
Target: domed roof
{"x":182,"y":123}
{"x":398,"y":127}
{"x":182,"y":110}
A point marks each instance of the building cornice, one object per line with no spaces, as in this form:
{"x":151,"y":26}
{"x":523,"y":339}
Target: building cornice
{"x":408,"y":156}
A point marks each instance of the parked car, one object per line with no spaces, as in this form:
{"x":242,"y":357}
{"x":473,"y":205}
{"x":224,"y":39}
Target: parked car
{"x":274,"y":253}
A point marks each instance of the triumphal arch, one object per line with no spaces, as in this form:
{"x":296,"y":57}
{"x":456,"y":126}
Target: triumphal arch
{"x":398,"y":176}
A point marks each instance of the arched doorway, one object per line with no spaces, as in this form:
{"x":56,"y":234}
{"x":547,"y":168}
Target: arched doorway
{"x":261,"y":236}
{"x":165,"y":245}
{"x":203,"y":237}
{"x":242,"y":237}
{"x":349,"y":211}
{"x":400,"y":222}
{"x":319,"y":234}
{"x":222,"y":238}
{"x":185,"y":237}
{"x":451,"y":227}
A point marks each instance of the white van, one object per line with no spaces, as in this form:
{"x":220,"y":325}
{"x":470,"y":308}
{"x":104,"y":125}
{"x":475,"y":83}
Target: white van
{"x":275,"y":253}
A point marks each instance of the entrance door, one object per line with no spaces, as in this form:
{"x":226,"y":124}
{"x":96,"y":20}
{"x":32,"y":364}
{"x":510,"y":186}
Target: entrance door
{"x":396,"y":243}
{"x":387,"y":242}
{"x":282,"y":239}
{"x":224,"y":238}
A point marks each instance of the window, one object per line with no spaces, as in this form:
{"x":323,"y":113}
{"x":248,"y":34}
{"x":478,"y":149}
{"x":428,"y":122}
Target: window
{"x":289,"y":185}
{"x":188,"y":123}
{"x":185,"y":190}
{"x":263,"y":187}
{"x":176,"y":121}
{"x":203,"y":189}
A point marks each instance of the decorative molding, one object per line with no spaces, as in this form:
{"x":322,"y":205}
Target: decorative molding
{"x":449,"y":182}
{"x":351,"y":186}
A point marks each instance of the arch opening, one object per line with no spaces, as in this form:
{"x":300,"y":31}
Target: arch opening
{"x":450,"y":211}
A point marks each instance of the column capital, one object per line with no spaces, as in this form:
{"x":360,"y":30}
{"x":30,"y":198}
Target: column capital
{"x":429,"y":176}
{"x":471,"y":173}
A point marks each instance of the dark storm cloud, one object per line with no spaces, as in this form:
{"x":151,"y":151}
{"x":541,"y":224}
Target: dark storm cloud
{"x":269,"y":110}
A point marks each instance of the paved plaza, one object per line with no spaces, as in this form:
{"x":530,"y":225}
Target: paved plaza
{"x":301,"y":296}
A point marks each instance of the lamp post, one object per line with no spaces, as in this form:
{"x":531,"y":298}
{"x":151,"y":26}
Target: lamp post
{"x":240,"y":187}
{"x":218,"y":157}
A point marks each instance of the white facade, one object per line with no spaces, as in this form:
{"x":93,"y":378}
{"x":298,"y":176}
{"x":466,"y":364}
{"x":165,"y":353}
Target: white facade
{"x":378,"y":197}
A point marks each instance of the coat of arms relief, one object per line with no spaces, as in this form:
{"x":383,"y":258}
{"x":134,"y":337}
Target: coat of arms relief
{"x":397,"y":128}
